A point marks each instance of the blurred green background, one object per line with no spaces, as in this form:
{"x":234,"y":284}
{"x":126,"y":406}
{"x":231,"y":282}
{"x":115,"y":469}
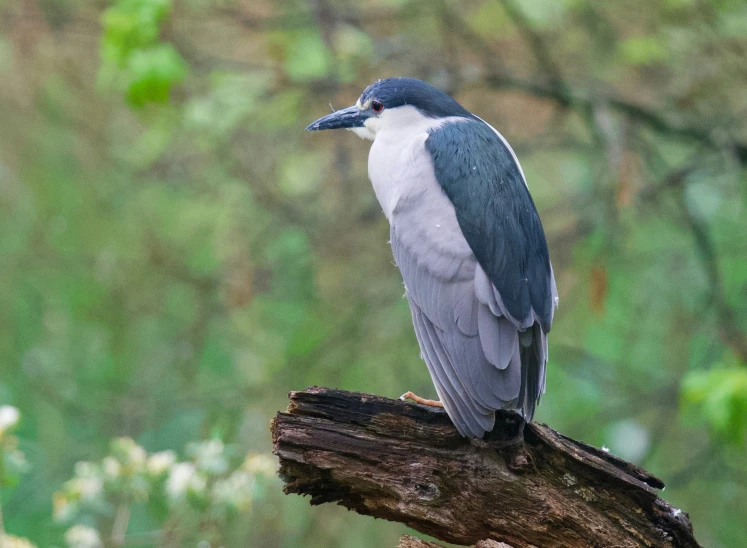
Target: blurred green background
{"x":176,"y":253}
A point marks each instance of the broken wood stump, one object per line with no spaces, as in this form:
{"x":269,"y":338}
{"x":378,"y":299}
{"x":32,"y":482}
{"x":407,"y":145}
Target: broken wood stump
{"x":406,"y":462}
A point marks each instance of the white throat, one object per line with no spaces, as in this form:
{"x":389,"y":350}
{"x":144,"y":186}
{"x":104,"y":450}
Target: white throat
{"x":398,"y":162}
{"x":401,"y":123}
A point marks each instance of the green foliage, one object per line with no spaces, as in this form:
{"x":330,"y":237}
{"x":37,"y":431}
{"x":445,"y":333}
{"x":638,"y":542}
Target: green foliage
{"x":169,"y":274}
{"x":12,"y":465}
{"x":152,"y":74}
{"x":133,"y":57}
{"x":719,"y":398}
{"x":645,"y":50}
{"x":12,"y":461}
{"x":130,"y":25}
{"x":353,"y":49}
{"x":304,"y":53}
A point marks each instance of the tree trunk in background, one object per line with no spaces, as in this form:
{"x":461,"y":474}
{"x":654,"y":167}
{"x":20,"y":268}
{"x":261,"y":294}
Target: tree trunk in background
{"x":405,"y":462}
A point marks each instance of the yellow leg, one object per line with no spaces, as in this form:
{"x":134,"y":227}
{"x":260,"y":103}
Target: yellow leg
{"x":418,"y":399}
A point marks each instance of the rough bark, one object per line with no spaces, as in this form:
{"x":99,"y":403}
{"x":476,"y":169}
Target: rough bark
{"x":407,"y":463}
{"x":408,"y":541}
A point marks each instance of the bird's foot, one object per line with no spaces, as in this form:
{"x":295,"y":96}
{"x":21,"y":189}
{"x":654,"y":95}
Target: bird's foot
{"x":421,"y":401}
{"x":508,"y":430}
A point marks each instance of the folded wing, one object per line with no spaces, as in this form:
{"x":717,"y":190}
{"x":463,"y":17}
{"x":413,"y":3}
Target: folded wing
{"x":484,"y":351}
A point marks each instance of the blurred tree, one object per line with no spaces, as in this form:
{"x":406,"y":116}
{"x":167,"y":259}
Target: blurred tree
{"x":175,"y":255}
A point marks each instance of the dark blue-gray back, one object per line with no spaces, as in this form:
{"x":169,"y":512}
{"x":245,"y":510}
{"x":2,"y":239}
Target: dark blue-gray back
{"x":496,"y":214}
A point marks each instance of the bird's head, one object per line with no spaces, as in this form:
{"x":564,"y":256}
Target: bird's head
{"x":393,"y":104}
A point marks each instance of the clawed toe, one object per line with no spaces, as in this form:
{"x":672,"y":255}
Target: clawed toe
{"x":421,"y":401}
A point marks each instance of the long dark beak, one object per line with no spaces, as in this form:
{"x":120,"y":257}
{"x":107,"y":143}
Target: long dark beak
{"x":341,"y":119}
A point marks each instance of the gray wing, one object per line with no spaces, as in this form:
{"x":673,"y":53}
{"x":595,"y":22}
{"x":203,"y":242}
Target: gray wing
{"x":479,"y":357}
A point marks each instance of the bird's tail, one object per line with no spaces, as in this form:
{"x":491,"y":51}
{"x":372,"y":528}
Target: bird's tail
{"x":533,"y":362}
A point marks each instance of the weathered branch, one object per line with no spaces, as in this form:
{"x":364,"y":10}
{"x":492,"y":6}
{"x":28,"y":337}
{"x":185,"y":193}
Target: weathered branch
{"x":405,"y":462}
{"x":408,"y":541}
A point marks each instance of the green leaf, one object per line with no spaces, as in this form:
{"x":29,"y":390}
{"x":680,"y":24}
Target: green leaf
{"x":353,"y":48}
{"x":718,"y":397}
{"x":306,"y":56}
{"x":13,"y":466}
{"x":153,"y":72}
{"x":300,"y":174}
{"x":129,"y":25}
{"x":543,"y":13}
{"x":132,"y":56}
{"x":645,"y":50}
{"x":488,"y":18}
{"x":234,"y":98}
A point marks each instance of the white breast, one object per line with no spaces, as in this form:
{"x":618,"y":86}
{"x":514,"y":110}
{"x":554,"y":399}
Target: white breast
{"x":395,"y":169}
{"x":398,"y":163}
{"x":401,"y":171}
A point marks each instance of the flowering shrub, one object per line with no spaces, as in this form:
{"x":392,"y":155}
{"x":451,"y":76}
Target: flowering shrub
{"x":10,"y":541}
{"x":12,"y":465}
{"x":196,"y":497}
{"x":192,"y":500}
{"x":80,"y":536}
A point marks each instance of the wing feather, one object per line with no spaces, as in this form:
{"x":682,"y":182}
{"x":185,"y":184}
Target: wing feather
{"x":479,"y":173}
{"x":498,"y":337}
{"x":471,"y":387}
{"x":468,"y":417}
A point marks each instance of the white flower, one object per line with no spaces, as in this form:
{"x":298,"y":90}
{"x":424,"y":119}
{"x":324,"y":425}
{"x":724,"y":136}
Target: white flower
{"x":179,"y":478}
{"x":197,"y":484}
{"x":259,"y":463}
{"x":62,"y":508}
{"x":209,"y":457}
{"x":87,"y":483}
{"x":9,"y":417}
{"x":235,"y":491}
{"x":129,"y":453}
{"x":112,"y":468}
{"x":137,"y":456}
{"x":10,"y":541}
{"x":80,"y":536}
{"x":15,"y":461}
{"x":160,"y":462}
{"x":184,"y":477}
{"x":85,"y":469}
{"x":88,"y":489}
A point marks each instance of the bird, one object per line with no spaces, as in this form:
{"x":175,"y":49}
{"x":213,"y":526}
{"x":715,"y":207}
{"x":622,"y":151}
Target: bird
{"x":468,"y":241}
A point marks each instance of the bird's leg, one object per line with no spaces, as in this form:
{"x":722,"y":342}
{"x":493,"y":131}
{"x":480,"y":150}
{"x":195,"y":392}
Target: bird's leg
{"x":508,"y":430}
{"x":418,"y":399}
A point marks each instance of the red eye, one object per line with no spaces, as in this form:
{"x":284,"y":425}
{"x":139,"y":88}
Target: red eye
{"x":376,"y":106}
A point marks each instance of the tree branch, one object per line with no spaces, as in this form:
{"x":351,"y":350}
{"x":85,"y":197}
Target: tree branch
{"x":583,"y":102}
{"x":408,"y":541}
{"x":404,"y":462}
{"x":535,"y":42}
{"x":568,"y":97}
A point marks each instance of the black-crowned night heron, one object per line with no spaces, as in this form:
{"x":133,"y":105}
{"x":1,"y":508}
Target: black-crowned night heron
{"x":468,"y":240}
